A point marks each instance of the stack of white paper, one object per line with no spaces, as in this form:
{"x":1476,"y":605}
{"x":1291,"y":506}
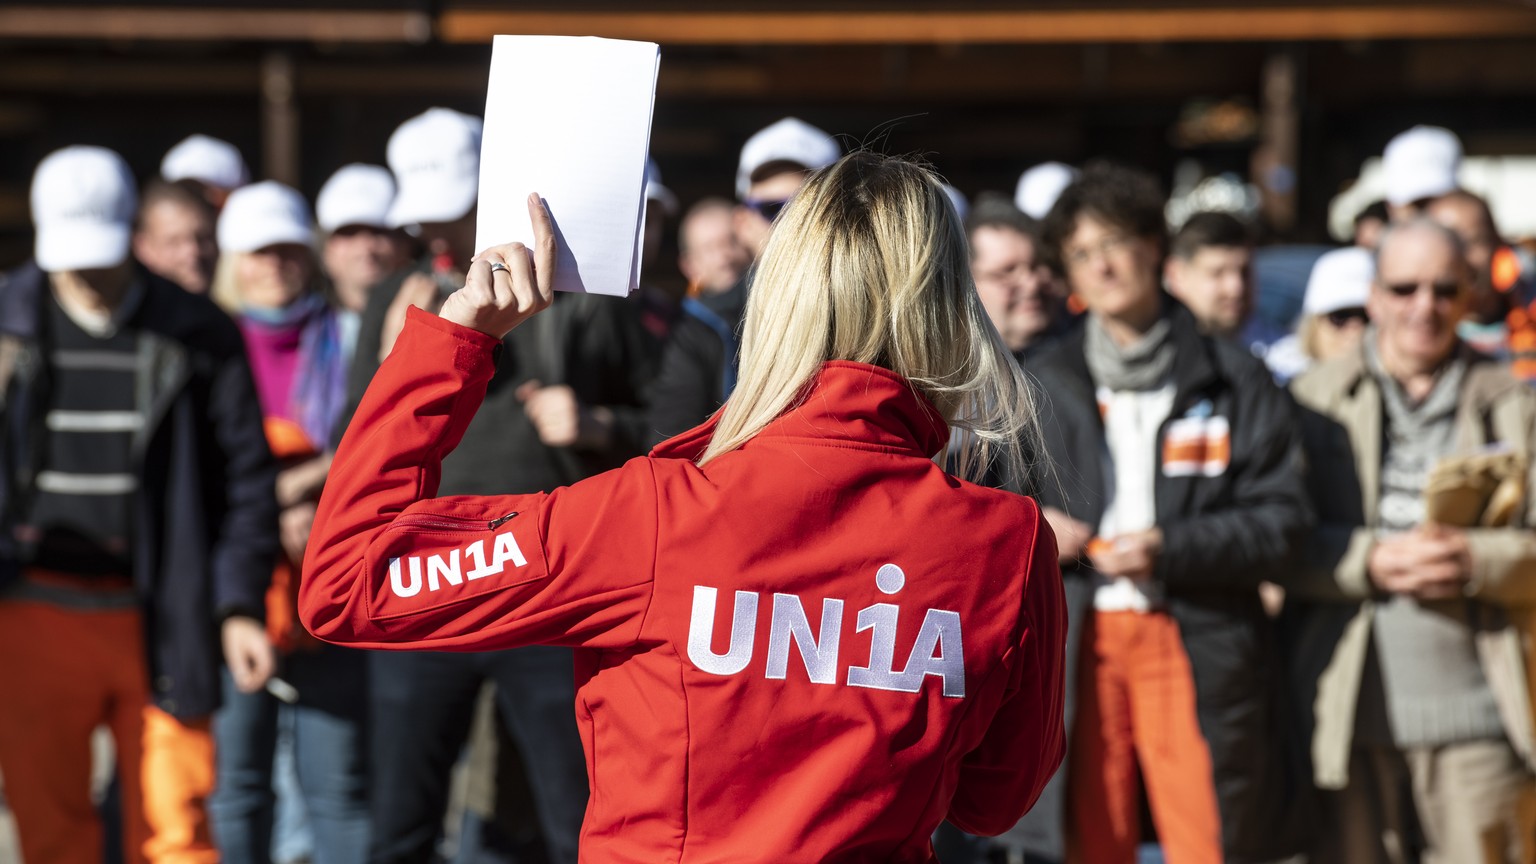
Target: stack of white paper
{"x":570,"y":118}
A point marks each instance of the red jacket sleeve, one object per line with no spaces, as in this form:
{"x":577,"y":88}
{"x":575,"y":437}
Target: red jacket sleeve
{"x":390,"y":566}
{"x":1023,"y":747}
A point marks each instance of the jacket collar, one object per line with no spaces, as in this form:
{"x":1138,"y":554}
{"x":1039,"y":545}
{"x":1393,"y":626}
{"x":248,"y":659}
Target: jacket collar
{"x":845,"y":402}
{"x":1485,"y":383}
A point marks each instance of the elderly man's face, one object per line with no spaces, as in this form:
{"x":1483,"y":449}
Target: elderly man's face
{"x":1421,"y":291}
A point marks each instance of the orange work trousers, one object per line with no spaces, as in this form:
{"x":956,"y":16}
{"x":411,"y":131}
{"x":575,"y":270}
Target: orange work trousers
{"x":1136,"y":707}
{"x":63,"y":672}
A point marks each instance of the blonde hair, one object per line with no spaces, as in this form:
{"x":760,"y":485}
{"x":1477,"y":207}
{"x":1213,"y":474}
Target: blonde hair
{"x":869,"y":263}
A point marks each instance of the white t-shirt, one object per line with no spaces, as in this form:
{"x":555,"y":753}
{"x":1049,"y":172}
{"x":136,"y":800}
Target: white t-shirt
{"x":1131,"y":422}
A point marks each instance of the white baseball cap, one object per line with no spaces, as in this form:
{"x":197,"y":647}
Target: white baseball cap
{"x":83,"y":201}
{"x":356,"y":194}
{"x":1040,"y":186}
{"x":655,"y":191}
{"x":1421,"y":163}
{"x":436,"y":159}
{"x":206,"y":160}
{"x":1340,"y":279}
{"x":264,"y":214}
{"x":789,"y":140}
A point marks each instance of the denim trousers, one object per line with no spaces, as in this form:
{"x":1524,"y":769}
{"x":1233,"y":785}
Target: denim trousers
{"x":330,"y":749}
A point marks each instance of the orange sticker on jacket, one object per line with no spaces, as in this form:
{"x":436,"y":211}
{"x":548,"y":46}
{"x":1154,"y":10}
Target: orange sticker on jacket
{"x":1197,"y":447}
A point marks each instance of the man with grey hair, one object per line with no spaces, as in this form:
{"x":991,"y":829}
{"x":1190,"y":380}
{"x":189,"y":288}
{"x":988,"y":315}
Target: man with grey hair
{"x":1405,"y":644}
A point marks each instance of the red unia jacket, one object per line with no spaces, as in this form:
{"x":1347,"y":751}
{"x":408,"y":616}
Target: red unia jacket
{"x":811,"y":649}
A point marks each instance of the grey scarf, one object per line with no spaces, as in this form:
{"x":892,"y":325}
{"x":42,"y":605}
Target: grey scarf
{"x":1417,"y":435}
{"x":1139,"y":366}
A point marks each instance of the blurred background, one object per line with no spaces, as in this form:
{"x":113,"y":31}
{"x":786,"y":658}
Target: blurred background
{"x":1288,"y":97}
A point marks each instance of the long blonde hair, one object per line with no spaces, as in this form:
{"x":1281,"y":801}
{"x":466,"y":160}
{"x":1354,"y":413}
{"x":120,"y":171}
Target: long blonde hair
{"x":869,"y":263}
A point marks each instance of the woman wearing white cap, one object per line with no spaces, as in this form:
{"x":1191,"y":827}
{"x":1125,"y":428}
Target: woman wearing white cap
{"x":361,"y":248}
{"x":1333,"y":315}
{"x":294,"y":343}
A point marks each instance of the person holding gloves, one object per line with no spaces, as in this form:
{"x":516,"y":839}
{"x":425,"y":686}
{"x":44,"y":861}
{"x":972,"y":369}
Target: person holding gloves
{"x":811,"y":641}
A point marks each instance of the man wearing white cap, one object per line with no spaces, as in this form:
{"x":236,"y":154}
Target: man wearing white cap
{"x":1420,"y":165}
{"x":564,"y":404}
{"x":214,"y":165}
{"x":361,"y":248}
{"x":1333,"y":314}
{"x":774,"y":164}
{"x":698,"y":367}
{"x":139,"y":526}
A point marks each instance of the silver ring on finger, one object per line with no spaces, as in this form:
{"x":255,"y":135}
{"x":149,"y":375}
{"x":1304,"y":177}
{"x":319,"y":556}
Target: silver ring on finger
{"x":497,"y":265}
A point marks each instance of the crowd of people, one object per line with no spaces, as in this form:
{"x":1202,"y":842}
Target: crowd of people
{"x":1297,"y":571}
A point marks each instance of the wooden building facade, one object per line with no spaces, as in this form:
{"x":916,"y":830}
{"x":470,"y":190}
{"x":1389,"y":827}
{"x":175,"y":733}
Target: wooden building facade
{"x":1291,"y":95}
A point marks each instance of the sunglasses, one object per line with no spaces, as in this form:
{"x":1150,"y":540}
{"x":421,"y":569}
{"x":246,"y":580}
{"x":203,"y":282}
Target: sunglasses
{"x":1343,"y":317}
{"x":767,"y":209}
{"x":1442,"y":290}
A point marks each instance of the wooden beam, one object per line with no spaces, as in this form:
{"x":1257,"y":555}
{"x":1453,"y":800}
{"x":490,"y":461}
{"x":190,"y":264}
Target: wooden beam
{"x":204,"y":24}
{"x":1450,"y":21}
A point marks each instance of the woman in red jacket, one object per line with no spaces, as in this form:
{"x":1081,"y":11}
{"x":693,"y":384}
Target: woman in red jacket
{"x":799,"y":638}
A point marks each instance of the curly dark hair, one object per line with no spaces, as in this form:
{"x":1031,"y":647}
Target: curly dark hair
{"x":1127,"y":198}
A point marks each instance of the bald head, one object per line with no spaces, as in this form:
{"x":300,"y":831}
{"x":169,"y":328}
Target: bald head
{"x":1421,"y":292}
{"x":1418,"y":236}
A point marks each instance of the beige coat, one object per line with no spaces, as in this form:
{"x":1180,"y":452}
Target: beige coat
{"x":1342,"y":427}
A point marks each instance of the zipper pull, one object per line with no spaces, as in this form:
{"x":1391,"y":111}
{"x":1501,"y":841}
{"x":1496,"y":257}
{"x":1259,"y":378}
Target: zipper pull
{"x":497,"y":523}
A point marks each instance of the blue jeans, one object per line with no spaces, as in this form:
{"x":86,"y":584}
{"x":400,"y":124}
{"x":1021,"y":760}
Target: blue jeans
{"x":329,"y":726}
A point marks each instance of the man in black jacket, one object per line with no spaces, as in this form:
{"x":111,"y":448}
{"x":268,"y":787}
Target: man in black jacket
{"x":138,"y":526}
{"x":1178,"y":490}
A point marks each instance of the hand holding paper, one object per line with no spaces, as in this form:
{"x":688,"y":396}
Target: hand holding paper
{"x":508,"y":284}
{"x":570,"y":117}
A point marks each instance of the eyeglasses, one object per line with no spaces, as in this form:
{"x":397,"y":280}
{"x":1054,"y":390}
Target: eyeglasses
{"x":1082,"y":256}
{"x":1442,"y":290}
{"x":1342,"y":318}
{"x":767,"y":209}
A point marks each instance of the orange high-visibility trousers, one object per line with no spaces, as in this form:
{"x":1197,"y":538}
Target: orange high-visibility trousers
{"x":1136,"y":707}
{"x":63,"y":672}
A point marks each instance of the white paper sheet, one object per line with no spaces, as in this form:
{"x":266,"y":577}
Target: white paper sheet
{"x":570,"y":118}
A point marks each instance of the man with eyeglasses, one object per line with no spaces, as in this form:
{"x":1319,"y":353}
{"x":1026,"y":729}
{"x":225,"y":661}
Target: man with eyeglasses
{"x":1178,"y":492}
{"x":698,"y":365}
{"x":1404,"y":641}
{"x":1016,"y":286}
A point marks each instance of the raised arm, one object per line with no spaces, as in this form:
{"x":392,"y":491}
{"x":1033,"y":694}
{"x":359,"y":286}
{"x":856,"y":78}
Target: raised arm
{"x":389,"y":565}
